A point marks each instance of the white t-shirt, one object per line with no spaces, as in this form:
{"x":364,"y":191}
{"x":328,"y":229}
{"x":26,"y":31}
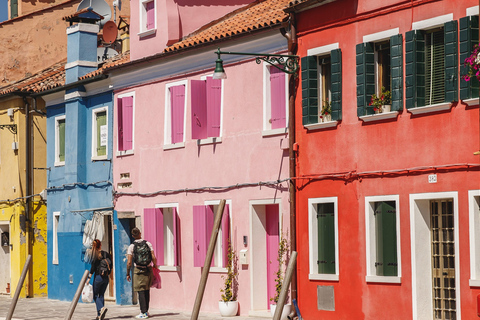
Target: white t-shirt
{"x":131,"y":247}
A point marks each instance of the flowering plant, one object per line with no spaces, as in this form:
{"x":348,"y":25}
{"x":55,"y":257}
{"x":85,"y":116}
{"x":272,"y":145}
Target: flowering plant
{"x":384,"y":98}
{"x":473,"y":64}
{"x":326,"y":108}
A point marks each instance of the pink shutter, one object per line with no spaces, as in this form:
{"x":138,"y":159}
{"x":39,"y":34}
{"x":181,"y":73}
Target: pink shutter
{"x":160,"y":249}
{"x":176,"y":234}
{"x":199,"y":236}
{"x":210,"y":218}
{"x":199,"y":109}
{"x":277,"y":98}
{"x":225,"y":234}
{"x":151,"y":227}
{"x":127,"y":117}
{"x":214,"y":99}
{"x":273,"y":239}
{"x":150,"y":8}
{"x":177,"y":103}
{"x":120,"y":125}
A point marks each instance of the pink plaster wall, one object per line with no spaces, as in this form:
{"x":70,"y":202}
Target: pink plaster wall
{"x":242,"y":156}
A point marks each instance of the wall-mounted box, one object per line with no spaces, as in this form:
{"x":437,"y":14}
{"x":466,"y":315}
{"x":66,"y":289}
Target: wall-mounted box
{"x":243,"y":256}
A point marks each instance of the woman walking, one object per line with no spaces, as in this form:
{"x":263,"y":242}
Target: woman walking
{"x":101,"y":266}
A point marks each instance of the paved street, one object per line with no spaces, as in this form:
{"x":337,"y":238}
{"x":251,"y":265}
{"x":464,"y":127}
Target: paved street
{"x":42,"y":309}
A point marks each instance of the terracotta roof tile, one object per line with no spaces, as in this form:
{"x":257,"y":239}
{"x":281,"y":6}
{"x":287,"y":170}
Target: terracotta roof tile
{"x":112,"y":62}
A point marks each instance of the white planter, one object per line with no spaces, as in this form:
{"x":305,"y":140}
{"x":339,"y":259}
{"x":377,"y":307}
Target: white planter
{"x":384,"y":108}
{"x":287,"y":308}
{"x":326,"y":118}
{"x":228,"y":309}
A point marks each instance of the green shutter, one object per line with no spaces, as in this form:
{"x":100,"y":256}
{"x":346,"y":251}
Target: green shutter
{"x":326,"y":238}
{"x":414,"y":69}
{"x":13,"y":9}
{"x":396,"y":71}
{"x":386,"y":239}
{"x":468,"y":37}
{"x":451,"y":61}
{"x":101,"y":121}
{"x":61,"y":140}
{"x":365,"y":62}
{"x":336,"y":78}
{"x":309,"y":90}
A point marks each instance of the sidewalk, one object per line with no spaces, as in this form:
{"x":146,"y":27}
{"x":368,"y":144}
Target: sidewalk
{"x":43,"y":309}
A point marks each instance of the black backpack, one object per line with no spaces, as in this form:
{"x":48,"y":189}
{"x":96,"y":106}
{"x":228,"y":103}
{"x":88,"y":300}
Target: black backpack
{"x":105,"y":266}
{"x":142,"y":255}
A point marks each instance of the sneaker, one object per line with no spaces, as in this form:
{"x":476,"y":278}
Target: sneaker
{"x":142,"y":316}
{"x":103,"y":312}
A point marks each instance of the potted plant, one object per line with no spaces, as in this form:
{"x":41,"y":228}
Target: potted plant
{"x":473,"y":64}
{"x":382,"y":102}
{"x":326,"y":112}
{"x":228,"y":306}
{"x":283,"y":249}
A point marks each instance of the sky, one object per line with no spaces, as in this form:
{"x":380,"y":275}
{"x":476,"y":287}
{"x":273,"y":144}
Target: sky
{"x":3,"y":10}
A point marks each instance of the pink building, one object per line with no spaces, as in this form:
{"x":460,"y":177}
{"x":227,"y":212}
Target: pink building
{"x":184,"y":141}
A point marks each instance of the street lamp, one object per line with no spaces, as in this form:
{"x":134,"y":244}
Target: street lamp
{"x":283,"y":62}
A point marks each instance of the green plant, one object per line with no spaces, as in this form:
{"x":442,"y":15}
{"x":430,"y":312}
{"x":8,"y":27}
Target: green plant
{"x":384,"y":98}
{"x":473,"y":64}
{"x":326,"y":108}
{"x":282,"y":257}
{"x":229,"y":291}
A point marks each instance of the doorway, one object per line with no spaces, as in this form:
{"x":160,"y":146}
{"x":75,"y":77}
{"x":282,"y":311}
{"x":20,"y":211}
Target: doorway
{"x":5,"y":258}
{"x":108,"y":246}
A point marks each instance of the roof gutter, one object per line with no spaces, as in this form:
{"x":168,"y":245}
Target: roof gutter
{"x":69,"y":86}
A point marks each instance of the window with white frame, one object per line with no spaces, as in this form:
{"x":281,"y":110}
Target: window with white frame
{"x":382,"y":229}
{"x":161,"y":228}
{"x":148,"y":17}
{"x":323,"y":238}
{"x":474,"y":222}
{"x":275,"y":100}
{"x":56,"y":221}
{"x":203,"y":219}
{"x":125,"y":123}
{"x":99,"y":133}
{"x":175,"y":110}
{"x":60,"y":141}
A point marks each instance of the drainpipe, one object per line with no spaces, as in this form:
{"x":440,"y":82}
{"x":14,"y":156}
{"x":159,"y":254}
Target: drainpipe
{"x":28,"y":221}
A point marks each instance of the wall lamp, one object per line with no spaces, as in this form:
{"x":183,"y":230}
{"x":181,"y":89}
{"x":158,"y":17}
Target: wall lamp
{"x":283,"y":62}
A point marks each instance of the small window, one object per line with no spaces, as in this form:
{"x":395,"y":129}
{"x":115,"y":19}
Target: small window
{"x":60,"y":141}
{"x":175,"y":104}
{"x":382,"y":67}
{"x":434,"y":67}
{"x":148,"y":23}
{"x":125,"y":124}
{"x":275,"y":100}
{"x":99,"y":133}
{"x":56,"y":220}
{"x":207,"y":100}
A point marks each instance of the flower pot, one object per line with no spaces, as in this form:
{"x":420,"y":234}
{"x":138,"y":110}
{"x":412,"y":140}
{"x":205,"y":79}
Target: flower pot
{"x":228,"y":308}
{"x":287,"y":308}
{"x":384,"y":108}
{"x":326,"y":117}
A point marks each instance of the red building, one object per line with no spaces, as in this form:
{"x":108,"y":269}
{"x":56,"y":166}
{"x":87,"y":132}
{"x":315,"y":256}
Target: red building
{"x":388,"y":215}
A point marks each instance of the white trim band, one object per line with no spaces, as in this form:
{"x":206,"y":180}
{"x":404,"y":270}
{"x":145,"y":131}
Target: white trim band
{"x":432,"y":23}
{"x":383,"y":35}
{"x":81,"y":63}
{"x":323,"y":49}
{"x":84,"y":27}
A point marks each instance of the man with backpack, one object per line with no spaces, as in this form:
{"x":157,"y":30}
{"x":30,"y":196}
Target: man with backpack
{"x":140,"y":252}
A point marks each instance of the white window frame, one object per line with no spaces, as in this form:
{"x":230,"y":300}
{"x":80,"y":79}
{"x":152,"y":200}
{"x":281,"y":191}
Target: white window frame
{"x":370,"y":238}
{"x":213,"y":140}
{"x":57,"y":141}
{"x":130,"y":151}
{"x":167,"y":133}
{"x":217,"y":254}
{"x":56,"y":222}
{"x":143,"y":31}
{"x":168,"y":240}
{"x":95,"y":133}
{"x":267,"y":103}
{"x":313,"y":239}
{"x":474,"y":226}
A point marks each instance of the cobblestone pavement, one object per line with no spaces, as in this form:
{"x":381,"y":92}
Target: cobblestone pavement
{"x":43,"y":309}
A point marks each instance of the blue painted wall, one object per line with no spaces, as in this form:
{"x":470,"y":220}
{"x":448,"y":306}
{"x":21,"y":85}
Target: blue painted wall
{"x":3,"y":10}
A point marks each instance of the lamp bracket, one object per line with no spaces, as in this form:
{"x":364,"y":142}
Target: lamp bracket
{"x":11,"y":127}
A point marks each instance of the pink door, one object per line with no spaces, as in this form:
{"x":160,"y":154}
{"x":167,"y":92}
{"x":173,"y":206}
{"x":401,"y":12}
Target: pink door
{"x":273,"y":238}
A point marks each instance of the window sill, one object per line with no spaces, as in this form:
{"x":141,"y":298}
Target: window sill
{"x":431,"y":108}
{"x":471,"y":102}
{"x":124,"y":153}
{"x":379,"y":116}
{"x":325,"y":277}
{"x":59,"y":164}
{"x":321,"y":125}
{"x":218,"y":270}
{"x":99,"y":158}
{"x":212,"y":140}
{"x":169,"y":268}
{"x":380,"y":279}
{"x":147,"y":33}
{"x":174,"y":146}
{"x":274,"y":132}
{"x":55,"y":262}
{"x":474,"y":283}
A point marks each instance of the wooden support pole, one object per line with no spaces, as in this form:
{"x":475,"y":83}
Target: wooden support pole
{"x":208,"y":260}
{"x":285,"y":286}
{"x":19,"y":287}
{"x":74,"y":302}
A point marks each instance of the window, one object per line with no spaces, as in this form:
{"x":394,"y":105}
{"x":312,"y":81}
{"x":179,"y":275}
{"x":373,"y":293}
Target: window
{"x":383,"y":239}
{"x":474,"y":222}
{"x":148,"y":23}
{"x":468,"y":37}
{"x":125,"y":124}
{"x":56,"y":220}
{"x":99,"y":133}
{"x":60,"y":141}
{"x":321,"y":84}
{"x":161,"y":229}
{"x":379,"y":63}
{"x":175,"y":103}
{"x":203,"y":219}
{"x":431,"y":65}
{"x":207,"y":97}
{"x":323,"y":238}
{"x":275,"y":100}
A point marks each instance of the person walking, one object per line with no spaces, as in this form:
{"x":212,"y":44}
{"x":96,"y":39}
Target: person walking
{"x":101,"y":266}
{"x":141,"y":254}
